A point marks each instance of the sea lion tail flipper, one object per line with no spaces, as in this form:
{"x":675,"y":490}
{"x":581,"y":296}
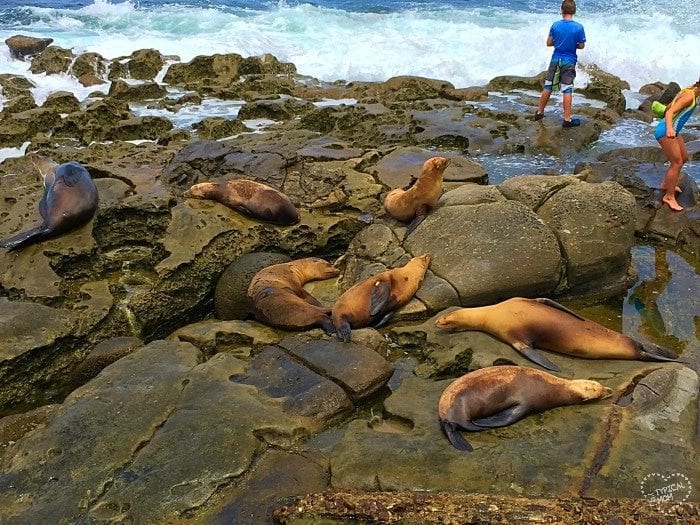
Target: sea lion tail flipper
{"x":503,"y":418}
{"x":327,"y":325}
{"x":652,"y":352}
{"x":343,"y":330}
{"x":536,"y":357}
{"x":455,"y":437}
{"x":421,"y":214}
{"x":380,"y":295}
{"x":554,"y":304}
{"x":384,"y":320}
{"x":24,"y":238}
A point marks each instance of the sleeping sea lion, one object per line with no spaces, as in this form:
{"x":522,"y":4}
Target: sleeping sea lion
{"x":249,"y":197}
{"x":497,"y":396}
{"x":278,"y":298}
{"x":70,"y":200}
{"x":527,"y":324}
{"x":413,"y":202}
{"x":374,"y":300}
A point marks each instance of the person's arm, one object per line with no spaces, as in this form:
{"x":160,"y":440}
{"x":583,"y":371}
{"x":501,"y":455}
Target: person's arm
{"x":682,"y":101}
{"x":580,"y":45}
{"x":581,"y":39}
{"x":550,"y":41}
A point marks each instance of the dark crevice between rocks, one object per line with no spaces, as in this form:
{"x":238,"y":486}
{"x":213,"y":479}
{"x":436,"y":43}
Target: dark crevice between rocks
{"x":612,"y":428}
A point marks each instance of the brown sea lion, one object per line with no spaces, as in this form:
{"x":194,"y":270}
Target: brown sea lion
{"x":497,"y":396}
{"x":527,"y":324}
{"x":413,"y":202}
{"x":278,"y":298}
{"x":70,"y":200}
{"x":373,"y":301}
{"x":249,"y":197}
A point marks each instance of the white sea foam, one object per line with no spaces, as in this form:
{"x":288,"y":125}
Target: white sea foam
{"x":465,"y":46}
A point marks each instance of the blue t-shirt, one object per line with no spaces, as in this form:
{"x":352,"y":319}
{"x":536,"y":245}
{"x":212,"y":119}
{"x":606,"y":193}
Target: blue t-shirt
{"x":567,"y":34}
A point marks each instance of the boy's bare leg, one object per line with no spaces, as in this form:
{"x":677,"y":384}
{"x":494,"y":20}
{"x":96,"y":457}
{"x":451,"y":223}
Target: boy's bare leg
{"x":544,"y":98}
{"x":567,"y":97}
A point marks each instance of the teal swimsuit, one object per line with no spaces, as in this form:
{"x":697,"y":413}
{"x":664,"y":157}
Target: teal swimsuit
{"x":679,"y":119}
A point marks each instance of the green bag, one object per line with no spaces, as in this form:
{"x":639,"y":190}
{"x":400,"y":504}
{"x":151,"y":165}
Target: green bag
{"x":658,"y":109}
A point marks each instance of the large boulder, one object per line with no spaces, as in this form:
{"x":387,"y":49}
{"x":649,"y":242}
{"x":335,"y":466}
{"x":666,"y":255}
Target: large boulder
{"x":22,"y":46}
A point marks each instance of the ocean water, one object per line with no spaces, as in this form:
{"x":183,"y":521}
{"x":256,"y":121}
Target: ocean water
{"x":467,"y":42}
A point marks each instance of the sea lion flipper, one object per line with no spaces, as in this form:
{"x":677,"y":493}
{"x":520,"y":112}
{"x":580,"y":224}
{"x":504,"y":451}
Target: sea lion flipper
{"x":455,"y":437}
{"x":380,"y":295}
{"x":652,"y":352}
{"x":554,"y":304}
{"x":536,"y":357}
{"x":384,"y":320}
{"x":421,"y":214}
{"x":327,"y":326}
{"x":503,"y":418}
{"x":343,"y":330}
{"x":24,"y":238}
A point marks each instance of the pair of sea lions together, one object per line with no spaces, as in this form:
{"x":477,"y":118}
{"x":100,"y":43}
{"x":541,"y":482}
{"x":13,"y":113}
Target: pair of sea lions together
{"x":70,"y":199}
{"x":413,"y":202}
{"x":501,"y":395}
{"x":278,"y":298}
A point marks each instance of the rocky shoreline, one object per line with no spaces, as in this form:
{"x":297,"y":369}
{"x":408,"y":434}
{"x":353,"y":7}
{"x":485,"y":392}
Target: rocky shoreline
{"x":134,"y":385}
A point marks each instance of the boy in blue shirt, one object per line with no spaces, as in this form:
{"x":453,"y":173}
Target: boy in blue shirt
{"x":566,"y":36}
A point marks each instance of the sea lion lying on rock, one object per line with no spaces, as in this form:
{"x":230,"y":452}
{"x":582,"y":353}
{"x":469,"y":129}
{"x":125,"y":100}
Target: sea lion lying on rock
{"x":497,"y":396}
{"x":252,"y":198}
{"x":374,"y":300}
{"x":528,"y":324}
{"x":278,"y":298}
{"x":413,"y":202}
{"x":70,"y":200}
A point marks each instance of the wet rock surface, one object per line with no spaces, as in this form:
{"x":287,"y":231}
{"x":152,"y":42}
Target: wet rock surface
{"x":135,"y":387}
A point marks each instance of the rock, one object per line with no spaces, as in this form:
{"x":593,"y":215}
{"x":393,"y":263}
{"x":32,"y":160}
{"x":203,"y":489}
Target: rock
{"x":470,"y":194}
{"x":606,"y":87}
{"x":595,"y":227}
{"x":230,"y":296}
{"x":21,"y":46}
{"x":510,"y":82}
{"x":278,"y":474}
{"x":89,"y":66}
{"x":16,"y":426}
{"x":136,"y":92}
{"x":534,"y":190}
{"x":141,"y":128}
{"x":52,"y":60}
{"x":205,"y":71}
{"x":279,"y":109}
{"x":405,"y":163}
{"x":212,"y":128}
{"x":360,"y":371}
{"x":234,"y":337}
{"x":62,"y":102}
{"x":300,"y":391}
{"x":509,"y":251}
{"x":102,"y":355}
{"x":142,"y":64}
{"x":15,"y":85}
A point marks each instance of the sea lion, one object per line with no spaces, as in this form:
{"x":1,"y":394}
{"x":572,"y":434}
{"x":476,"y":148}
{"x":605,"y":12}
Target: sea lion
{"x":413,"y":202}
{"x":70,"y":200}
{"x":527,"y":324}
{"x":249,"y":197}
{"x":278,"y":298}
{"x":374,"y":300}
{"x":496,"y":396}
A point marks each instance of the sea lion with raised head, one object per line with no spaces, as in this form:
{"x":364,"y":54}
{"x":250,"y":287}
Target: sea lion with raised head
{"x":496,"y":396}
{"x":70,"y":200}
{"x":249,"y":197}
{"x":529,"y":324}
{"x":413,"y":202}
{"x":278,"y":297}
{"x":373,"y":301}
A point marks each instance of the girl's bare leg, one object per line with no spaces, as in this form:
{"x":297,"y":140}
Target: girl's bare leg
{"x":674,"y":149}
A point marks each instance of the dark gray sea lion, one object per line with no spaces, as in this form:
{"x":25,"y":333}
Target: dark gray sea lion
{"x":249,"y":197}
{"x":70,"y":200}
{"x":497,"y":396}
{"x":373,"y":301}
{"x":528,"y":324}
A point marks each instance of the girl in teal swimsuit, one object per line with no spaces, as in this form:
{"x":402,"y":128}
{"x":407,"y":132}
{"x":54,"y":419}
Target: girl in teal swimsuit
{"x":677,"y":114}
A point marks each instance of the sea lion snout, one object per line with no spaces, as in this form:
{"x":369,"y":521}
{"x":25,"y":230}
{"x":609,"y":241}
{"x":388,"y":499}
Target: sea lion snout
{"x":590,"y":390}
{"x":446,"y":322}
